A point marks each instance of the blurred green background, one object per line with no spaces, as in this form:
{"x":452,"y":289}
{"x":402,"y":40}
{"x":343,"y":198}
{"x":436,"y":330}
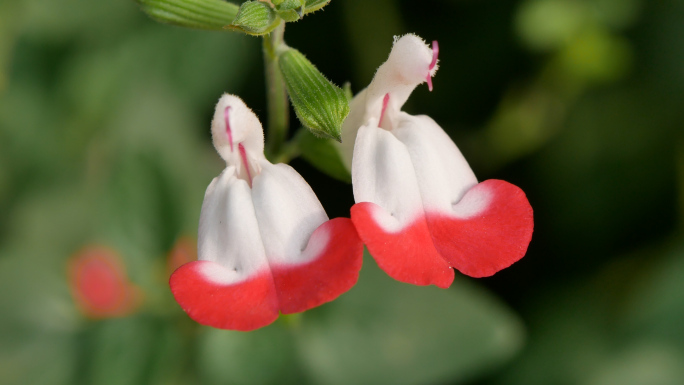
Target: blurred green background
{"x":104,"y":142}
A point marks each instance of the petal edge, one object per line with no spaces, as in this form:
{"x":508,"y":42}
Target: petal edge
{"x":247,"y":305}
{"x":490,"y":235}
{"x":407,"y":255}
{"x":333,"y":271}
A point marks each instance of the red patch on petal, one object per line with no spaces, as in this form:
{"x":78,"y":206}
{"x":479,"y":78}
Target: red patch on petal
{"x":407,"y":256}
{"x":99,"y":284}
{"x":493,"y":238}
{"x":244,"y":306}
{"x":334,"y":270}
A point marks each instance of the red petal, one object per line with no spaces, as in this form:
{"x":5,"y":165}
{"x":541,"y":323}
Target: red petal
{"x":243,"y":306}
{"x":407,"y":256}
{"x":492,"y":239}
{"x":334,"y":271}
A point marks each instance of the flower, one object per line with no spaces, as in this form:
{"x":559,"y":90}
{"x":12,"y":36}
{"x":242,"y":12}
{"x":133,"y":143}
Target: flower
{"x":265,"y":244}
{"x":99,"y":284}
{"x":420,"y":210}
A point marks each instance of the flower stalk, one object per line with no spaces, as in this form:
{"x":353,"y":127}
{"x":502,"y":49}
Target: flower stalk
{"x":276,"y":94}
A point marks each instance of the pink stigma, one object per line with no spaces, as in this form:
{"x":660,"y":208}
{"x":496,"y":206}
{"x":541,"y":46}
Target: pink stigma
{"x":385,"y":102}
{"x":243,"y":155}
{"x":230,"y":134}
{"x":435,"y":53}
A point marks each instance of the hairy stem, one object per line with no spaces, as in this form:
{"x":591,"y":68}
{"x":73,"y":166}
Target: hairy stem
{"x":276,"y":95}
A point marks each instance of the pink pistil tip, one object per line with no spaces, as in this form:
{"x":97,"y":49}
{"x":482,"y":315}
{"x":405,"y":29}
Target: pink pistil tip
{"x":385,"y":102}
{"x":230,"y":134}
{"x":435,"y":53}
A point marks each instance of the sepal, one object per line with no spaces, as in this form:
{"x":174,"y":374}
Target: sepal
{"x":198,"y":14}
{"x":320,"y":105}
{"x":290,"y":10}
{"x":255,"y":18}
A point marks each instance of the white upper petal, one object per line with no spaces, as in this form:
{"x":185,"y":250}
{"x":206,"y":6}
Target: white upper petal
{"x":407,"y":67}
{"x":228,"y":229}
{"x":382,"y":173}
{"x":350,"y":126}
{"x":442,"y":172}
{"x":288,"y":212}
{"x":243,"y":128}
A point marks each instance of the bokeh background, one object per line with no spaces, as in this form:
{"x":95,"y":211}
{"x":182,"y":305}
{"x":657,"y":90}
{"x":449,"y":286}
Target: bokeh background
{"x":105,"y":153}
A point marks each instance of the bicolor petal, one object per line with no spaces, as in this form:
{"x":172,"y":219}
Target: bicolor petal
{"x":265,"y":244}
{"x":420,"y":210}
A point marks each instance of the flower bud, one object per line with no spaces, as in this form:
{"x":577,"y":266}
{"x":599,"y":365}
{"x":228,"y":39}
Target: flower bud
{"x":255,"y":18}
{"x":290,"y":10}
{"x":320,"y":105}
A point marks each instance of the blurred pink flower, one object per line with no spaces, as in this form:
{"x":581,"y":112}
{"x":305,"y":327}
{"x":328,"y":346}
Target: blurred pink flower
{"x":99,"y":284}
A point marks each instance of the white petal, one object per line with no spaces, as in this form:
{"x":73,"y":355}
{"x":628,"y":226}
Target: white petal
{"x":228,"y":229}
{"x":288,"y":212}
{"x":355,"y":119}
{"x":244,"y":128}
{"x":382,"y":173}
{"x":407,"y":67}
{"x":442,"y":172}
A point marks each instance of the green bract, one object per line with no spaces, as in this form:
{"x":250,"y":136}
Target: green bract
{"x":290,"y":10}
{"x":320,"y":105}
{"x":255,"y":18}
{"x":201,"y":14}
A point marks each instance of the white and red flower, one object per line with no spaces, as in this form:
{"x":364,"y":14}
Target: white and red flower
{"x":420,"y":210}
{"x":265,"y":244}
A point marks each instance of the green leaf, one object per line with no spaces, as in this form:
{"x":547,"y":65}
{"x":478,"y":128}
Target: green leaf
{"x":255,"y":18}
{"x":386,"y":332}
{"x":323,"y":155}
{"x":259,"y":357}
{"x":320,"y":105}
{"x":200,"y":14}
{"x":120,"y":350}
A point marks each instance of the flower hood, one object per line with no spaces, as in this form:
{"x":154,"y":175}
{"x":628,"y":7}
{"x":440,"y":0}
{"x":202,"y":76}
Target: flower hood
{"x":265,"y":244}
{"x":420,"y":209}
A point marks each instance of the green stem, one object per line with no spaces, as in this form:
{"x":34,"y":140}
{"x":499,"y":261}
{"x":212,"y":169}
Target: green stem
{"x":276,"y":95}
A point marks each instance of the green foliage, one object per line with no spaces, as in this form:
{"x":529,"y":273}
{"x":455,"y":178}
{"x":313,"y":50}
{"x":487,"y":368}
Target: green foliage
{"x":387,"y":332}
{"x":255,"y":18}
{"x":621,"y":326}
{"x":201,"y":14}
{"x":320,"y":105}
{"x":240,"y":358}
